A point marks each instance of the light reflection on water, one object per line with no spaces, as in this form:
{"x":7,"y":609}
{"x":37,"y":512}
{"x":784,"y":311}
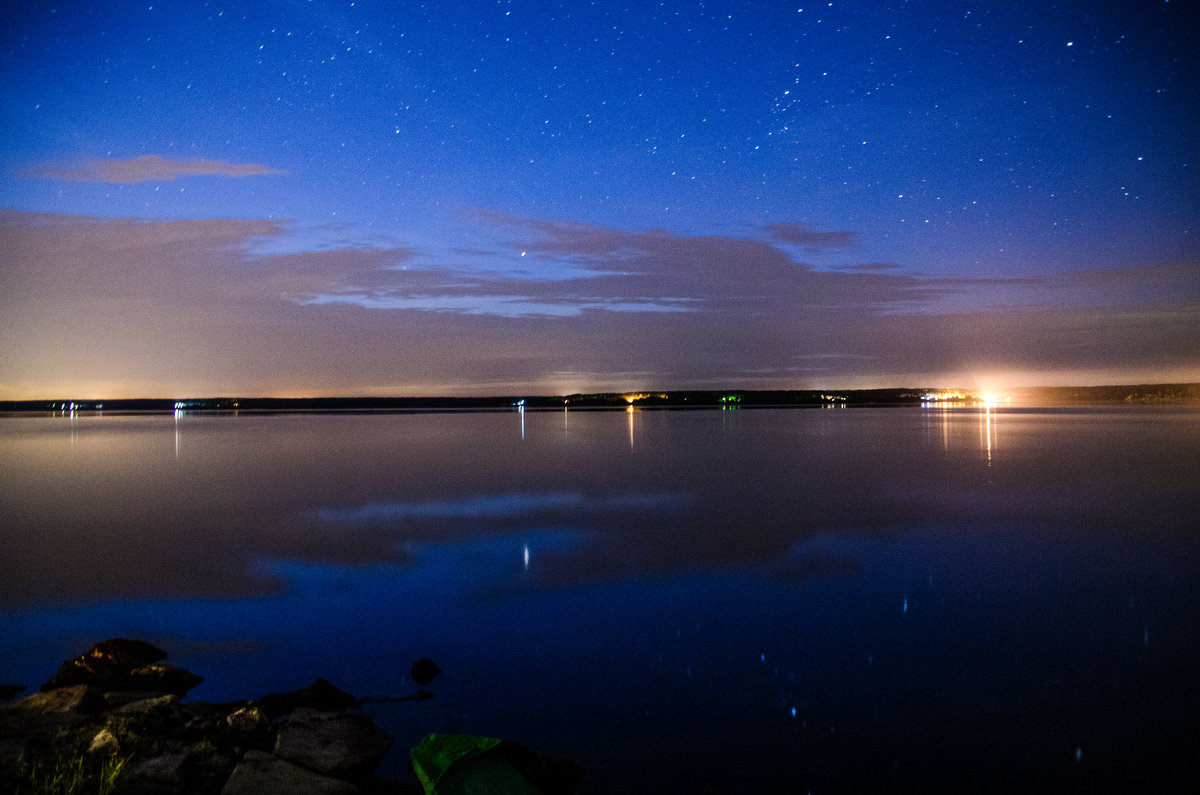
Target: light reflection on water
{"x":912,"y":596}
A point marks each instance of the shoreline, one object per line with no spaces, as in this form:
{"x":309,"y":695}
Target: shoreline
{"x":114,"y":720}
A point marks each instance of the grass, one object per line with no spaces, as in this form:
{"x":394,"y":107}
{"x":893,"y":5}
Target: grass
{"x":75,"y":774}
{"x":69,"y":770}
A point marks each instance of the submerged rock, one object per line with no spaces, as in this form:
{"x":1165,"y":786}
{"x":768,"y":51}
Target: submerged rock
{"x":319,"y":695}
{"x":425,"y":671}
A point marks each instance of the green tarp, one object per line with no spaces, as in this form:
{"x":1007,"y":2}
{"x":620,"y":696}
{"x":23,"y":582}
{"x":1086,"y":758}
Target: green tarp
{"x":460,"y":764}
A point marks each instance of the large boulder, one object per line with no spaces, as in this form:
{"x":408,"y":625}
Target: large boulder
{"x":165,"y":774}
{"x":340,"y":744}
{"x":248,"y":720}
{"x":153,"y":705}
{"x":123,"y":664}
{"x":125,"y":652}
{"x":64,"y":706}
{"x":260,"y":773}
{"x":234,"y":727}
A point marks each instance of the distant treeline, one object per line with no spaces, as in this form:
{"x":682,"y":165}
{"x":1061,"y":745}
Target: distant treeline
{"x":598,"y":400}
{"x":1126,"y":393}
{"x":1138,"y":393}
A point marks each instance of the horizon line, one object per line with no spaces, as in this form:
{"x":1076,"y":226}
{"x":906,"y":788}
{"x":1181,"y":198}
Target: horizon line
{"x":630,"y":397}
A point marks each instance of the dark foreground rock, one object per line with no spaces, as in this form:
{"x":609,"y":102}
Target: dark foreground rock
{"x":111,"y":720}
{"x":341,"y":744}
{"x":260,"y":773}
{"x":10,"y":691}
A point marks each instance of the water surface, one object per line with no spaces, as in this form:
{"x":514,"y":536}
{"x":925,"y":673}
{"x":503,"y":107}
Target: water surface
{"x":968,"y":599}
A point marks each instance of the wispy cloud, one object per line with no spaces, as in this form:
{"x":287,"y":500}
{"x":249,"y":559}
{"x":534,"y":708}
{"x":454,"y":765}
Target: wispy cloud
{"x":804,"y":235}
{"x":717,"y":272}
{"x":872,"y":267}
{"x":147,"y":168}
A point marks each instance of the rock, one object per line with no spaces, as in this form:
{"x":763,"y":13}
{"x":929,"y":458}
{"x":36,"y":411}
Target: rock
{"x":122,"y":664}
{"x":115,"y":699}
{"x":177,"y":771}
{"x":248,"y":720}
{"x":162,"y":678}
{"x":319,"y":695}
{"x":10,"y":691}
{"x":62,"y":706}
{"x":155,"y":705}
{"x":105,"y":743}
{"x":201,"y":718}
{"x":104,"y":661}
{"x":30,"y":729}
{"x":261,"y":773}
{"x":338,"y":744}
{"x":119,"y":703}
{"x":13,"y":756}
{"x":162,"y":775}
{"x":424,"y":671}
{"x":125,"y":653}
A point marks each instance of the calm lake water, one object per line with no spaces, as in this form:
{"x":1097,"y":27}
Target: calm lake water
{"x":945,"y":600}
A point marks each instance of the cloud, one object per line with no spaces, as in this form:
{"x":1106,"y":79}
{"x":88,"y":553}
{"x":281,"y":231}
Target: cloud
{"x":512,"y":504}
{"x":713,"y":272}
{"x":1146,"y":284}
{"x":804,"y":235}
{"x":99,"y":307}
{"x":872,"y":266}
{"x":147,"y":168}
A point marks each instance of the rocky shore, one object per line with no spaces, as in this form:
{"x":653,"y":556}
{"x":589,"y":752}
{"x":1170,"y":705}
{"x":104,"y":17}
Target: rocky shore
{"x":112,"y":721}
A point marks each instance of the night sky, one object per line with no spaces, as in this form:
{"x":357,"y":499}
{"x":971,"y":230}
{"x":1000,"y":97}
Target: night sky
{"x":400,"y":198}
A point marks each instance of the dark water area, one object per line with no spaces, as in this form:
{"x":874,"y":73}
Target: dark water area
{"x":769,"y":600}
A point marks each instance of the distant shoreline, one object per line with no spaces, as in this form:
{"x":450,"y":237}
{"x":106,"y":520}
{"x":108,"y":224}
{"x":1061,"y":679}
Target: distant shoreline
{"x":722,"y":399}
